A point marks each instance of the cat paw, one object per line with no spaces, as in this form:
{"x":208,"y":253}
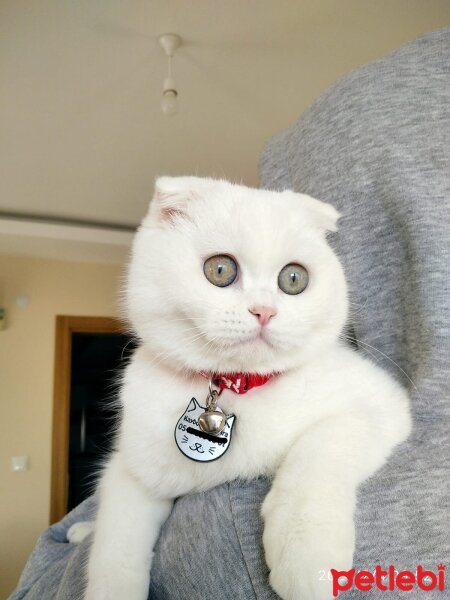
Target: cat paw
{"x":300,"y":556}
{"x":305,"y":574}
{"x":79,"y":531}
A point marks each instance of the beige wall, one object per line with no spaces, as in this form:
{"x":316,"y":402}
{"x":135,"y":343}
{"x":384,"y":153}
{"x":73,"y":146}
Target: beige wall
{"x":26,"y":382}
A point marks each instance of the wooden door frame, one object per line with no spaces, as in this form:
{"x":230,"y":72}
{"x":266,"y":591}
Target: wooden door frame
{"x":65,"y":326}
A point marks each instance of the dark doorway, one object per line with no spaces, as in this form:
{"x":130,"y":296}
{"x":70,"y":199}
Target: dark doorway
{"x":90,"y":355}
{"x":97,"y":362}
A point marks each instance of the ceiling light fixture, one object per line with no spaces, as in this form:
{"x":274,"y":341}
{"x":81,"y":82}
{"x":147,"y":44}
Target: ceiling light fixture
{"x":169,"y":42}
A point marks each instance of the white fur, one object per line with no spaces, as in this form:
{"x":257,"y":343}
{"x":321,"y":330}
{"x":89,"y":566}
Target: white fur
{"x":321,"y":427}
{"x":78,"y":531}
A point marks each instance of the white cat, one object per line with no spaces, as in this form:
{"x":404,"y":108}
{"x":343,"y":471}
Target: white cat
{"x":225,"y":279}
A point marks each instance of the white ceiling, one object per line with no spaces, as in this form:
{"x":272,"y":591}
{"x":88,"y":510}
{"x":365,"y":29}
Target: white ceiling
{"x":82,"y":134}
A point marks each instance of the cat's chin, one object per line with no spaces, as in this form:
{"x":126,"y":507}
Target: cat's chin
{"x":254,"y":342}
{"x":258,"y":355}
{"x":255,"y":349}
{"x":251,"y":356}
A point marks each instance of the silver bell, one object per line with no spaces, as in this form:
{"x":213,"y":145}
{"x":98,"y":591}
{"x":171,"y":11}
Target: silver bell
{"x":212,"y":421}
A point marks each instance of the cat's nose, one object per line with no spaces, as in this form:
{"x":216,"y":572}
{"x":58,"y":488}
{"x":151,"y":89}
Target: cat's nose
{"x":263,"y":313}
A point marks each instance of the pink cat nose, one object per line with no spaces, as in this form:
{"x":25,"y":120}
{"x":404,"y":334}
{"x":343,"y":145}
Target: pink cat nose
{"x":263,"y":313}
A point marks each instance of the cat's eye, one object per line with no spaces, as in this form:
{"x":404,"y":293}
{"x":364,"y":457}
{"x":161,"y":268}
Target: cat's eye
{"x":220,"y":270}
{"x":293,"y":279}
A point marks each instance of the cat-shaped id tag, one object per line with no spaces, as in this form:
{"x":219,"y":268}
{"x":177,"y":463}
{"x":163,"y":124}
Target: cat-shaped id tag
{"x":197,"y":444}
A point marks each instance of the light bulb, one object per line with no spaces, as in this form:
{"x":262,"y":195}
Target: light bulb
{"x":169,"y":102}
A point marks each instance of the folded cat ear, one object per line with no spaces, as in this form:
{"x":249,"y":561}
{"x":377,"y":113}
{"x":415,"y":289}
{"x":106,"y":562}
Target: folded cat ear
{"x":324,"y":215}
{"x":172,"y":197}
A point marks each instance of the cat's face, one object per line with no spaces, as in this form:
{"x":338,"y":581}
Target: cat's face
{"x":226,"y":278}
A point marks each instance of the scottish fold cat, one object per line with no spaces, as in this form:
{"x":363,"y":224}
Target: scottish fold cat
{"x":239,"y":303}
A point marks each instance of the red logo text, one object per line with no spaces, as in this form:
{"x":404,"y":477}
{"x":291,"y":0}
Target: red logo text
{"x":387,"y":580}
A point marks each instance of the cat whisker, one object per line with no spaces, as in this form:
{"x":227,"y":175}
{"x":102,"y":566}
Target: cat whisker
{"x":186,"y":318}
{"x":349,"y":339}
{"x":358,"y":341}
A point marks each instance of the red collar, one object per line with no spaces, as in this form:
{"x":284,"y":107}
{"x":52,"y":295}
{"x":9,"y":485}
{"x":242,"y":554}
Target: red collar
{"x":239,"y":383}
